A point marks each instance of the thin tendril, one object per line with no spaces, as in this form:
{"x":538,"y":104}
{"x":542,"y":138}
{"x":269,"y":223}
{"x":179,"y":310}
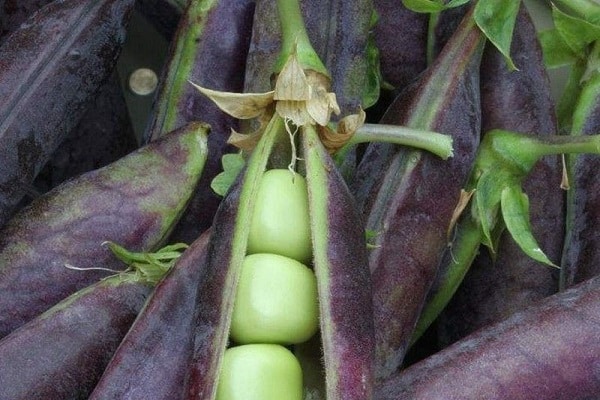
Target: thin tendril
{"x":69,"y":266}
{"x":292,"y":164}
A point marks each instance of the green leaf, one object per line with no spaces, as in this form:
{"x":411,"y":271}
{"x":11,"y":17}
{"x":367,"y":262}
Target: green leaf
{"x":232,"y":165}
{"x":423,"y":6}
{"x":515,"y":211}
{"x":374,"y":79}
{"x":575,"y":32}
{"x":556,"y":51}
{"x":487,"y":201}
{"x":431,"y":6}
{"x":496,"y":19}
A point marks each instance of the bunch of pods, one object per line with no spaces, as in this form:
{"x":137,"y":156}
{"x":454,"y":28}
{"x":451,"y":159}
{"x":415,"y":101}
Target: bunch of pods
{"x":330,"y":200}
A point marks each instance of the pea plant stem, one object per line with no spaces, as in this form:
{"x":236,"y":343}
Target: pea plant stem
{"x":434,"y":142}
{"x":295,"y":38}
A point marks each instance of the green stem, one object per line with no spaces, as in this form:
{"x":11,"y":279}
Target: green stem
{"x":434,"y":142}
{"x":295,"y":38}
{"x":558,"y":144}
{"x":433,"y":20}
{"x":462,"y":252}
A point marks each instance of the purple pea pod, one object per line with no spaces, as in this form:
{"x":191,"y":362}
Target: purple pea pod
{"x":498,"y":285}
{"x":409,"y":207}
{"x":401,"y":36}
{"x":153,"y":359}
{"x":211,"y":53}
{"x":49,"y":69}
{"x":548,"y":351}
{"x":62,"y":353}
{"x":134,"y":201}
{"x":104,"y":134}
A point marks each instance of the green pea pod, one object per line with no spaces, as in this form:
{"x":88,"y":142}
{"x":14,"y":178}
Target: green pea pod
{"x":134,"y":201}
{"x":344,"y":284}
{"x":409,"y":207}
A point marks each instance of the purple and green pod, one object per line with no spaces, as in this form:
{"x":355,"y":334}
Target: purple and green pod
{"x":153,"y":359}
{"x":49,"y":69}
{"x":209,"y":49}
{"x":61,"y":353}
{"x":409,"y":207}
{"x":499,"y":284}
{"x":339,"y":261}
{"x":134,"y":201}
{"x":548,"y":351}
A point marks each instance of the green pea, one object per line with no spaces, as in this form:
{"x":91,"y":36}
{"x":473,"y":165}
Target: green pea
{"x":276,"y":301}
{"x":280,"y":221}
{"x":260,"y":372}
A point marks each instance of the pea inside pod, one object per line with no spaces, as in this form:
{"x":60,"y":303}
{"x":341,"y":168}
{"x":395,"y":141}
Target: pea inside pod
{"x":276,"y":300}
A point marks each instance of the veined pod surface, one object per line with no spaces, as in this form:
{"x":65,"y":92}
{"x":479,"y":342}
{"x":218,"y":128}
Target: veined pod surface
{"x":49,"y":69}
{"x":62,"y":353}
{"x":209,"y":49}
{"x":548,"y":351}
{"x":123,"y":202}
{"x":499,"y":285}
{"x":153,"y":359}
{"x":410,"y":206}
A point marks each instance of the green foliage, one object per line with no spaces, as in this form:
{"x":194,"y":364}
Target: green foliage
{"x":232,"y":166}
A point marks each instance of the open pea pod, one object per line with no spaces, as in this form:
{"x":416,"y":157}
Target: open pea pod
{"x":339,"y":261}
{"x":225,"y":255}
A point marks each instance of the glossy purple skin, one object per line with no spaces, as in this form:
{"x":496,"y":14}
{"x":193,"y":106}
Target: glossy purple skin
{"x":49,"y":70}
{"x":123,"y":202}
{"x":548,"y":351}
{"x":62,"y":353}
{"x":218,"y":63}
{"x":153,"y":359}
{"x":519,"y":101}
{"x":409,"y":207}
